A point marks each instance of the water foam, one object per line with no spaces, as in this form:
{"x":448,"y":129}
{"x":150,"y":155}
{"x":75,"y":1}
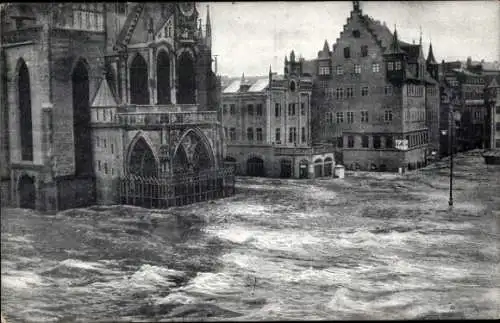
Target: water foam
{"x":150,"y":277}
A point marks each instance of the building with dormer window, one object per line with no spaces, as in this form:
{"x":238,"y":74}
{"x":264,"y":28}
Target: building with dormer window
{"x":381,"y":94}
{"x":267,"y":125}
{"x":106,"y":103}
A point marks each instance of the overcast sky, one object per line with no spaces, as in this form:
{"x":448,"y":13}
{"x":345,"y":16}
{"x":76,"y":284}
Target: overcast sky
{"x":249,"y":36}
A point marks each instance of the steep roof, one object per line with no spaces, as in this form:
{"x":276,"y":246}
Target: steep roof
{"x":255,"y":83}
{"x":104,"y":96}
{"x":430,"y":56}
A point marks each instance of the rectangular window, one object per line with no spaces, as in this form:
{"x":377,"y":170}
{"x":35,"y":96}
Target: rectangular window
{"x":347,"y":52}
{"x":324,"y":70}
{"x":99,"y":165}
{"x":497,"y":126}
{"x":303,"y":135}
{"x":376,"y":142}
{"x":104,"y":143}
{"x":390,"y":66}
{"x":225,"y":132}
{"x":105,"y":167}
{"x":364,"y":141}
{"x":350,"y":117}
{"x":389,"y":142}
{"x":375,"y":67}
{"x":364,"y":91}
{"x":250,"y":134}
{"x":292,"y":135}
{"x":232,"y":134}
{"x":277,"y":110}
{"x":224,"y":108}
{"x":497,"y":143}
{"x":259,"y":134}
{"x":357,"y":68}
{"x":349,"y":93}
{"x":339,"y":93}
{"x":388,"y":90}
{"x":250,"y":109}
{"x":329,"y":117}
{"x":397,"y":66}
{"x":259,"y":109}
{"x":498,"y":110}
{"x":387,"y":115}
{"x":97,"y":141}
{"x":112,"y":148}
{"x":350,"y":141}
{"x":340,"y":142}
{"x":232,"y":109}
{"x":291,"y":109}
{"x":364,"y":116}
{"x":323,"y":84}
{"x":364,"y":51}
{"x":277,"y":135}
{"x":340,"y":117}
{"x":302,"y":108}
{"x":340,"y":70}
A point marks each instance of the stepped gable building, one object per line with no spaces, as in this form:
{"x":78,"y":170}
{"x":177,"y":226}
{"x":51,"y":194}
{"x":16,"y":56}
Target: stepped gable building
{"x":373,"y":90}
{"x":267,"y":125}
{"x":98,"y":97}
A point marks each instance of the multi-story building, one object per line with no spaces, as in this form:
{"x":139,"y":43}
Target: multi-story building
{"x":97,"y":97}
{"x":467,"y":81}
{"x":492,"y":96}
{"x":267,"y":125}
{"x":373,"y":91}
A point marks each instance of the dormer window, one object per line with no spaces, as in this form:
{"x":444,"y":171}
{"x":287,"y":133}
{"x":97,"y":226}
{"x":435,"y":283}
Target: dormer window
{"x":390,"y":66}
{"x":356,"y":33}
{"x":293,"y":86}
{"x":398,"y":65}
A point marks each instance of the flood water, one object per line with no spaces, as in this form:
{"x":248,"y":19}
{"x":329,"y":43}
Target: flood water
{"x":370,"y":246}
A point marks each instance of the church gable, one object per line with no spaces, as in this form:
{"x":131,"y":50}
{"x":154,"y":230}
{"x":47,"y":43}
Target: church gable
{"x":166,"y":31}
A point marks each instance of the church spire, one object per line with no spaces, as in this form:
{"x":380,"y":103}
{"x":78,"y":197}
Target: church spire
{"x":430,"y":56}
{"x":208,"y":28}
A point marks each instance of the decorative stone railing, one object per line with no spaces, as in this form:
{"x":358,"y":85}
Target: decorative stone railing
{"x":295,"y":151}
{"x":165,"y":118}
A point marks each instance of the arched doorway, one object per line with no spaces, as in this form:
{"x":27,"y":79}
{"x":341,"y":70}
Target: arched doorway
{"x":181,"y":162}
{"x":26,"y":124}
{"x":27,"y":192}
{"x":142,"y":161}
{"x":187,"y":81}
{"x":163,"y":78}
{"x":303,"y":168}
{"x":328,"y":166}
{"x":139,"y":93}
{"x":318,"y":168}
{"x":81,"y":121}
{"x":193,"y":154}
{"x":231,"y":162}
{"x":286,"y":168}
{"x":255,"y":167}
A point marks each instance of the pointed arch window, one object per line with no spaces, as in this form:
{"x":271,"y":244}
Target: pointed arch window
{"x":26,"y":123}
{"x":139,"y":93}
{"x":163,"y":78}
{"x":187,"y":79}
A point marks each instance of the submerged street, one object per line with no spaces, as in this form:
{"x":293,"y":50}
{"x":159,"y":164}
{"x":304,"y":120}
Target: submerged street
{"x":370,"y":246}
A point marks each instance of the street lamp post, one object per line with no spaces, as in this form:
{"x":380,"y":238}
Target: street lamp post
{"x":444,"y":132}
